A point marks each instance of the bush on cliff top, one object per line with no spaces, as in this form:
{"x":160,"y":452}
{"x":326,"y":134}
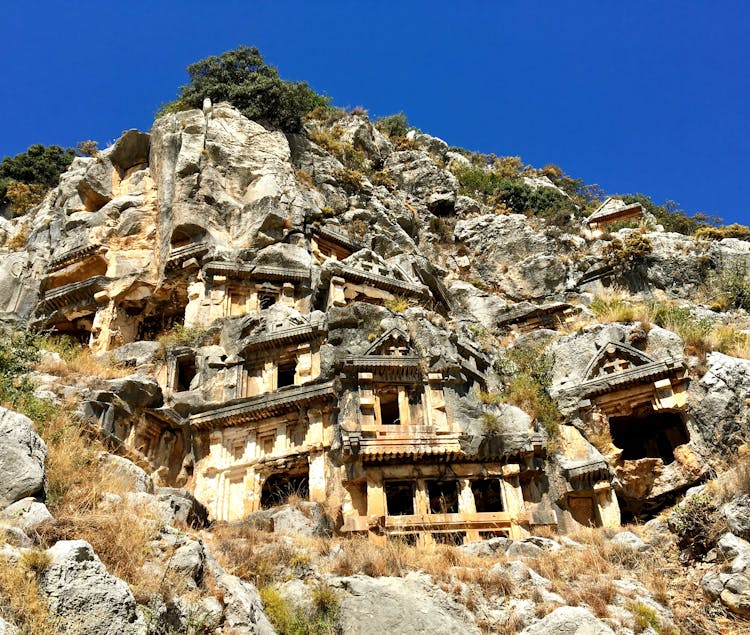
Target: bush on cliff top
{"x":242,"y":78}
{"x":40,"y":166}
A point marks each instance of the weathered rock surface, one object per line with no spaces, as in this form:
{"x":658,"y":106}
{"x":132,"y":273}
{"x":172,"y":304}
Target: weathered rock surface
{"x":569,"y":620}
{"x":7,"y":628}
{"x":83,"y":597}
{"x":27,"y":514}
{"x":124,"y":475}
{"x":22,"y":455}
{"x":404,"y":605}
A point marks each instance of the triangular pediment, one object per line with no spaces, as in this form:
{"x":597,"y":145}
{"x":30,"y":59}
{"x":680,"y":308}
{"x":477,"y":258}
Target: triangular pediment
{"x":615,"y":357}
{"x":394,"y":343}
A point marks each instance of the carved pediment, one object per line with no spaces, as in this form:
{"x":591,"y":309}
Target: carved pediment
{"x":394,"y":343}
{"x":615,"y":357}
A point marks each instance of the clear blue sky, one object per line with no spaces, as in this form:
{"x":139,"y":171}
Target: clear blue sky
{"x":636,"y":96}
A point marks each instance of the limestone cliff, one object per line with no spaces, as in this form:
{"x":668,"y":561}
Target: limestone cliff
{"x":421,"y":363}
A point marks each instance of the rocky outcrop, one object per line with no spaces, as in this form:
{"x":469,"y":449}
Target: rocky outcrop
{"x":509,"y":255}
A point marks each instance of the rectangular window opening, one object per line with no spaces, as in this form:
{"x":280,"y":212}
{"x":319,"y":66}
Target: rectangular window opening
{"x":487,"y":495}
{"x":286,"y":372}
{"x":389,"y":410}
{"x":186,"y":372}
{"x":443,"y":497}
{"x":267,"y":300}
{"x":399,"y":498}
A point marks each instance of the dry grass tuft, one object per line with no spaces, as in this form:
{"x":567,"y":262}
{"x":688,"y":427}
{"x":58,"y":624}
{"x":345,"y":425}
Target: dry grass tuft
{"x":255,"y":555}
{"x":77,"y":360}
{"x":21,"y":602}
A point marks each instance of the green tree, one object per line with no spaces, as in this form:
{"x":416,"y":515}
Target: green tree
{"x":242,"y":78}
{"x":393,"y":125}
{"x":39,"y":165}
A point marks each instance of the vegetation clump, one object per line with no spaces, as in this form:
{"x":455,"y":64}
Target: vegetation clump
{"x":526,"y":373}
{"x":25,"y":177}
{"x":625,"y":255}
{"x":393,"y":125}
{"x":292,"y":620}
{"x":242,"y":78}
{"x":500,"y":184}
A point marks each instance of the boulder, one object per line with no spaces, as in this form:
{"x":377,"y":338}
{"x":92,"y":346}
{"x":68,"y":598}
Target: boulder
{"x":305,"y":519}
{"x":137,"y":390}
{"x":630,"y":540}
{"x":27,"y":514}
{"x":137,"y":353}
{"x":359,"y":132}
{"x":187,"y":562}
{"x":22,"y":456}
{"x":180,"y":506}
{"x":8,"y":629}
{"x":411,"y":604}
{"x":130,"y":149}
{"x":415,"y":172}
{"x":569,"y":620}
{"x":508,"y":253}
{"x":524,"y":549}
{"x":84,"y":597}
{"x":243,"y":609}
{"x":730,"y":546}
{"x":737,"y":514}
{"x":428,"y":143}
{"x":124,"y":475}
{"x":719,"y":401}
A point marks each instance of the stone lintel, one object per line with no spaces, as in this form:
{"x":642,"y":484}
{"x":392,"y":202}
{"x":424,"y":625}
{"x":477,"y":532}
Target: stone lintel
{"x":253,"y":272}
{"x":264,"y":406}
{"x":286,"y":336}
{"x":73,"y":255}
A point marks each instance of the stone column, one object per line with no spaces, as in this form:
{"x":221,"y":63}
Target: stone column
{"x":315,"y":428}
{"x":375,"y":494}
{"x":467,"y":505}
{"x":287,"y":294}
{"x":336,"y":292}
{"x":404,"y":413}
{"x":366,"y":400}
{"x":303,"y":371}
{"x":317,"y":477}
{"x":421,"y":498}
{"x":435,"y":399}
{"x":512,"y":497}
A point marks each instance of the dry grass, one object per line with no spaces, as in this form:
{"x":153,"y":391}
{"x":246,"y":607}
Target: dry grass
{"x":305,"y":178}
{"x":397,"y":304}
{"x":615,"y":306}
{"x":77,"y":359}
{"x":76,"y":484}
{"x":21,"y":603}
{"x":257,"y":556}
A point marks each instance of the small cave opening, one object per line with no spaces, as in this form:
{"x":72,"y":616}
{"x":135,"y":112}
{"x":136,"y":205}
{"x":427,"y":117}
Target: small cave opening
{"x":442,"y":207}
{"x":389,"y":411}
{"x":279,"y":488}
{"x":184,"y":235}
{"x":185,"y":372}
{"x":649,"y":434}
{"x":487,"y":495}
{"x":443,"y":497}
{"x":399,"y":498}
